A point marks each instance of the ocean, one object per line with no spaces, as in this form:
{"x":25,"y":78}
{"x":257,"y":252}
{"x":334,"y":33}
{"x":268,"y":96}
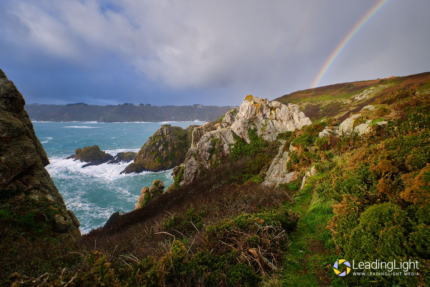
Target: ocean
{"x":93,"y":193}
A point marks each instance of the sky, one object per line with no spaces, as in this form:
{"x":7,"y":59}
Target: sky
{"x":186,"y":52}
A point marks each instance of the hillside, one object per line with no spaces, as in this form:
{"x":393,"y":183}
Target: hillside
{"x":123,"y":113}
{"x":265,"y":197}
{"x":337,"y":101}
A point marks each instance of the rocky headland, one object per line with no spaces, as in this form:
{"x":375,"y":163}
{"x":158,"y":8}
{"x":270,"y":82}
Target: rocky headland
{"x":165,"y":149}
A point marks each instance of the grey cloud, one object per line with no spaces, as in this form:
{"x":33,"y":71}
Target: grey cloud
{"x":201,"y":48}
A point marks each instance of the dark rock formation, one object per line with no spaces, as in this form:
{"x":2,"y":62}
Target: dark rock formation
{"x":123,"y":157}
{"x":165,"y":149}
{"x":91,"y":154}
{"x":27,"y":191}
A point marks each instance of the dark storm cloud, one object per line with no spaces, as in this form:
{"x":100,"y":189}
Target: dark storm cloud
{"x":209,"y":52}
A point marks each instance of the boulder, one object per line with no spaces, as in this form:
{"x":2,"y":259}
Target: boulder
{"x":363,"y":128}
{"x":165,"y":149}
{"x":329,"y":131}
{"x":92,"y":155}
{"x":24,"y":180}
{"x":269,"y":118}
{"x":347,"y":126}
{"x":141,"y":200}
{"x":148,"y":194}
{"x":277,"y":173}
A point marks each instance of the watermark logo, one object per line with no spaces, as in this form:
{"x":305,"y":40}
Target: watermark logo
{"x":339,"y":264}
{"x":376,"y":268}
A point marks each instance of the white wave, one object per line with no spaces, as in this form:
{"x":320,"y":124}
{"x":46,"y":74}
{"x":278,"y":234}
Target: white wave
{"x":114,"y":152}
{"x":91,"y":122}
{"x":70,"y":169}
{"x":47,"y":140}
{"x":80,"y":127}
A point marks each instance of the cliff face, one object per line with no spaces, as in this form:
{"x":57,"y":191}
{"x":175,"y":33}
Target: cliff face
{"x":165,"y":149}
{"x":267,"y":119}
{"x":26,"y":189}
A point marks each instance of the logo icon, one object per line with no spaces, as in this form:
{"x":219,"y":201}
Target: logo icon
{"x":340,"y":262}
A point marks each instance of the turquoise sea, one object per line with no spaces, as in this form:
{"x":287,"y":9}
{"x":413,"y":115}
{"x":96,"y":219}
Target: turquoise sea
{"x":95,"y":192}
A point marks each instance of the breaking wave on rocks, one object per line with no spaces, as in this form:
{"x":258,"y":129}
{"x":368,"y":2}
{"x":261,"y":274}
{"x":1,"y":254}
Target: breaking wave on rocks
{"x":93,"y":193}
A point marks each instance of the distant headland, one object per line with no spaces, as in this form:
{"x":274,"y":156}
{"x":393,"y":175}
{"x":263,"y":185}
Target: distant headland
{"x":124,"y":113}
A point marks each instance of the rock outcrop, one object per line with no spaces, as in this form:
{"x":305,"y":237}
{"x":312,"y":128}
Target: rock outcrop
{"x":148,"y":194}
{"x":165,"y":149}
{"x":24,"y":181}
{"x":211,"y":147}
{"x":277,"y":173}
{"x":352,"y":124}
{"x":92,"y":155}
{"x":224,"y":122}
{"x":269,"y":118}
{"x":123,"y":157}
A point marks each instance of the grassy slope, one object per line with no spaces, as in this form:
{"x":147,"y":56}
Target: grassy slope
{"x":369,"y":200}
{"x":332,"y":101}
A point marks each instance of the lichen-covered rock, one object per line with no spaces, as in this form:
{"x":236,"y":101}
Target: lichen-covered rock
{"x":277,"y":173}
{"x":363,"y":128}
{"x":165,"y":149}
{"x":148,"y":194}
{"x":92,"y":155}
{"x":269,"y":118}
{"x":211,"y":147}
{"x":123,"y":157}
{"x":25,"y":186}
{"x":347,"y":126}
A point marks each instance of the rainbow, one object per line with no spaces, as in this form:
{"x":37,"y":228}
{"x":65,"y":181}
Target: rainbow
{"x":348,"y":38}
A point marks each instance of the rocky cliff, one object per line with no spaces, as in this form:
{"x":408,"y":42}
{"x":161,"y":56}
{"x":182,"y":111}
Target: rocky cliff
{"x":29,"y":201}
{"x":165,"y":149}
{"x":266,"y":119}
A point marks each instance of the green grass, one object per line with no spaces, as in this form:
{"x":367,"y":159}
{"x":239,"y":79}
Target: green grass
{"x":309,"y":258}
